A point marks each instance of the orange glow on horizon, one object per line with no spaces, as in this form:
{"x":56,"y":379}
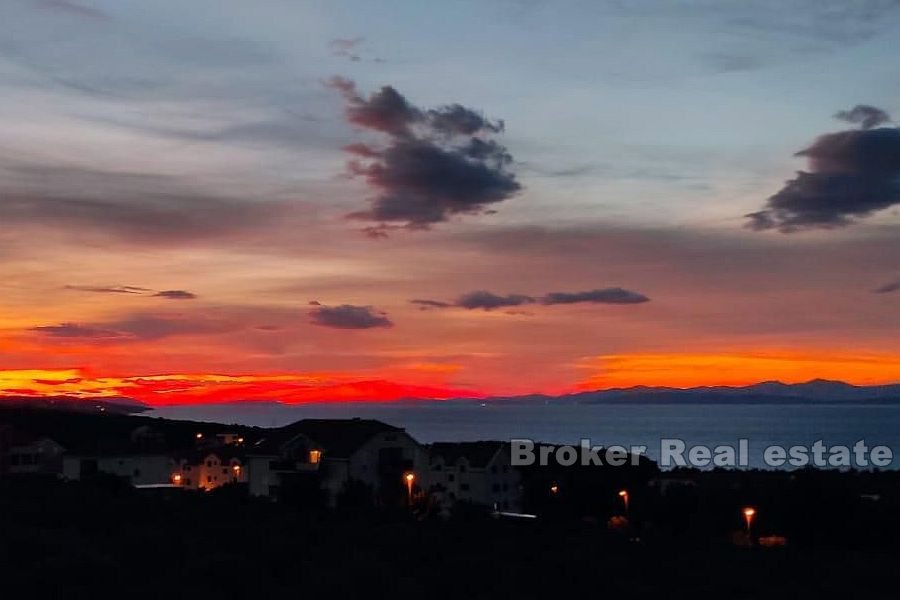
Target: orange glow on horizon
{"x":693,"y":370}
{"x":161,"y":390}
{"x":604,"y":372}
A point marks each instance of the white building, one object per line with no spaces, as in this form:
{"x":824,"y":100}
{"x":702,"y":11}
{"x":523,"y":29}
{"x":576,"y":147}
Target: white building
{"x":209,"y":469}
{"x":137,"y":468}
{"x":479,"y":473}
{"x":41,"y":455}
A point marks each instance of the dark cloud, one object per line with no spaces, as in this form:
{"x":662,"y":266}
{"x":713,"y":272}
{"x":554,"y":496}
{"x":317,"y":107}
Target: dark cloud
{"x":348,"y":316}
{"x":455,"y":119}
{"x":888,"y":288}
{"x":133,"y":291}
{"x":613,"y":295}
{"x":175,"y":295}
{"x":158,"y":326}
{"x":438,"y":163}
{"x":112,"y":289}
{"x":864,"y":115}
{"x":424,"y":304}
{"x":487,"y":301}
{"x":141,"y":327}
{"x":74,"y":331}
{"x":851,"y":175}
{"x":385,"y":110}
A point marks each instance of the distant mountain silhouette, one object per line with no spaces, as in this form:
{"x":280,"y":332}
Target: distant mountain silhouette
{"x":117,"y":405}
{"x":767,"y":392}
{"x":816,"y":391}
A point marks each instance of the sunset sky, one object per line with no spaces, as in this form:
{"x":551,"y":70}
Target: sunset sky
{"x":286,"y":200}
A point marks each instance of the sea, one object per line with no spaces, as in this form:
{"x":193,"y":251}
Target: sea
{"x":640,"y":424}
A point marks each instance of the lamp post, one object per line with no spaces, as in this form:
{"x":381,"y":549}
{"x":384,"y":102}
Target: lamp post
{"x":749,"y":514}
{"x":623,"y":494}
{"x":410,"y":479}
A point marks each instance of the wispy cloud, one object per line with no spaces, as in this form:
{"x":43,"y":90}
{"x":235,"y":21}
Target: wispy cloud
{"x":73,"y":8}
{"x":112,"y":289}
{"x":888,"y":288}
{"x":485,"y":300}
{"x":133,"y":291}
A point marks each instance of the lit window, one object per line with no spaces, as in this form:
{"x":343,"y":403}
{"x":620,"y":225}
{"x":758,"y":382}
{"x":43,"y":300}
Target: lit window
{"x":315,"y":456}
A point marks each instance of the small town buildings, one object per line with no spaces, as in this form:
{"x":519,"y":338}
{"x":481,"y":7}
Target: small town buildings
{"x":345,"y":453}
{"x":136,"y":467}
{"x":208,"y":469}
{"x":478,"y":473}
{"x":33,"y":456}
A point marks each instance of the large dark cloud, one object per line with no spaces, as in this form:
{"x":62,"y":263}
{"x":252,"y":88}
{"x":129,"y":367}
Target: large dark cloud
{"x":485,"y":300}
{"x":852,"y":175}
{"x":437,"y":163}
{"x":348,"y":316}
{"x":613,"y":295}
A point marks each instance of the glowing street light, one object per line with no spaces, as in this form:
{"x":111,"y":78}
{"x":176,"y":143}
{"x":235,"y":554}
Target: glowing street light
{"x":237,"y":471}
{"x":554,"y":489}
{"x":410,"y":479}
{"x":176,"y":478}
{"x":623,"y":494}
{"x":749,"y":513}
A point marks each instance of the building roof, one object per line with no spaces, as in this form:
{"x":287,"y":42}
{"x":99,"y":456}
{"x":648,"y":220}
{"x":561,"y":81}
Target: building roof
{"x":222,"y":452}
{"x":477,"y":454}
{"x":339,"y":438}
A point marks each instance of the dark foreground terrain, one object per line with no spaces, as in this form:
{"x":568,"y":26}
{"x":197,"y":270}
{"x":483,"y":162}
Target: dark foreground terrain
{"x":81,"y":540}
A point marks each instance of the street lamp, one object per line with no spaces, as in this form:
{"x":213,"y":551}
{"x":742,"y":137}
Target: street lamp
{"x":749,"y":513}
{"x":410,"y":479}
{"x":176,"y":478}
{"x":554,"y":489}
{"x":623,"y":494}
{"x":237,"y":472}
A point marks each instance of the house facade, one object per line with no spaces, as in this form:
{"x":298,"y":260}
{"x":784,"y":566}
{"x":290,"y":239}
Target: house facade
{"x":210,"y":469}
{"x":478,"y":473}
{"x":337,"y":454}
{"x":40,"y":455}
{"x":137,"y":468}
